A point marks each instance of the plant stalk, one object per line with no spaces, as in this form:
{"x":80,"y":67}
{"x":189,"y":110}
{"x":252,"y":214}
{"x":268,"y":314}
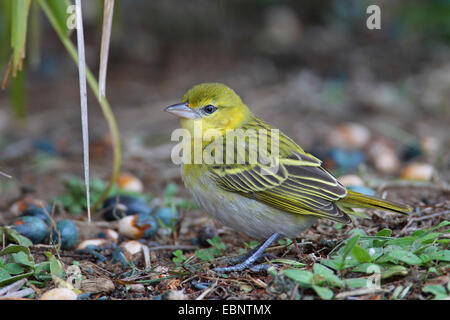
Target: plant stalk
{"x":104,"y":104}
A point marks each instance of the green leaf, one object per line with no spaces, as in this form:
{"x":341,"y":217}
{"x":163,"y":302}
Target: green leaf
{"x":326,"y":275}
{"x":293,"y":263}
{"x":14,"y":268}
{"x":303,"y":277}
{"x":178,"y":256}
{"x":430,"y":237}
{"x":353,"y":283}
{"x":56,"y":267}
{"x":204,"y":254}
{"x":405,"y":256}
{"x":19,"y":21}
{"x":366,"y":268}
{"x":419,"y":233}
{"x":177,"y":253}
{"x":324,"y":293}
{"x":331,"y":263}
{"x":171,"y":190}
{"x":23,"y":259}
{"x":441,"y":225}
{"x":285,"y":241}
{"x":425,"y":258}
{"x":322,"y":270}
{"x":16,"y":237}
{"x":347,"y":249}
{"x":443,"y":255}
{"x":59,"y":9}
{"x":4,"y":274}
{"x":438,"y":291}
{"x":4,"y":282}
{"x":13,"y":248}
{"x":18,"y":95}
{"x":394,"y":271}
{"x":357,"y":231}
{"x":361,"y":254}
{"x":183,"y":203}
{"x":402,"y":242}
{"x":217,"y":243}
{"x":384,"y":233}
{"x":42,"y":270}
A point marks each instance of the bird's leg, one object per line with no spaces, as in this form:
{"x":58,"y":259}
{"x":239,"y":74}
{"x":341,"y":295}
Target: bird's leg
{"x":245,"y":256}
{"x":250,"y":257}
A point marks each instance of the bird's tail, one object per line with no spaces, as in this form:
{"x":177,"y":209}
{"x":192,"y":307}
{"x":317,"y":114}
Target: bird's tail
{"x":358,"y":200}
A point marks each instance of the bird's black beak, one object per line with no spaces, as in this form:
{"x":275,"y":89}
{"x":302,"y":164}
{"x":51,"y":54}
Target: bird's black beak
{"x":182,"y":110}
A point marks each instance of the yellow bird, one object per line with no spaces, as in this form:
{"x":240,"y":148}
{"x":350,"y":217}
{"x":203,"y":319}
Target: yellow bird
{"x":243,"y":189}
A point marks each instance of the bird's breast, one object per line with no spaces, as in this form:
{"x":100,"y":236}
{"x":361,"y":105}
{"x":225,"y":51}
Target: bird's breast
{"x":242,"y":214}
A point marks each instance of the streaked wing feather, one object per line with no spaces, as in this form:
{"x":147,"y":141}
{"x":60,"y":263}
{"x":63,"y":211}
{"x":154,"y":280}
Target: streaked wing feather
{"x":300,"y":186}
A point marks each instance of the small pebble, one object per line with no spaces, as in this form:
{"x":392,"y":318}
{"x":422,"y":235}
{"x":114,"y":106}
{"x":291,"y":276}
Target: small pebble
{"x":138,"y":226}
{"x":59,"y":294}
{"x":347,"y":159}
{"x":31,"y":227}
{"x":383,"y":157}
{"x":100,"y":284}
{"x":137,"y":288}
{"x":350,"y":136}
{"x":362,"y":189}
{"x":174,"y":295}
{"x":204,"y":234}
{"x":245,"y":288}
{"x":20,"y":205}
{"x":94,"y":243}
{"x":351,"y":180}
{"x":110,"y":234}
{"x":129,"y":182}
{"x":131,"y":250}
{"x":38,"y":213}
{"x":68,"y":232}
{"x":131,"y":247}
{"x":430,"y":145}
{"x":118,"y":206}
{"x":417,"y":171}
{"x":168,"y":216}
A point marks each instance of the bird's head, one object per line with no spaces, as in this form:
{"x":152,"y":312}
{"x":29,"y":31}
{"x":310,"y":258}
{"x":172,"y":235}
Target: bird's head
{"x":211,"y":105}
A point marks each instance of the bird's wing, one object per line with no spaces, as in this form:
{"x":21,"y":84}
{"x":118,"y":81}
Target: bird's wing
{"x":298,"y":185}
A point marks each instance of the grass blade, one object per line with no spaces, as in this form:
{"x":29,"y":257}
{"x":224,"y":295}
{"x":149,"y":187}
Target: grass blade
{"x":83,"y":100}
{"x":106,"y":37}
{"x":59,"y":9}
{"x":19,"y":22}
{"x":18,"y":95}
{"x":104,"y":104}
{"x":5,"y":30}
{"x":34,"y":48}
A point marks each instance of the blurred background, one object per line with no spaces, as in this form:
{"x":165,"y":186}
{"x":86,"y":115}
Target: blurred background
{"x":372,"y":103}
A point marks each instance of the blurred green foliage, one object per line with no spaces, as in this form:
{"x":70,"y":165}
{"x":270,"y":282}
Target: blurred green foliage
{"x":74,"y":197}
{"x":431,"y":19}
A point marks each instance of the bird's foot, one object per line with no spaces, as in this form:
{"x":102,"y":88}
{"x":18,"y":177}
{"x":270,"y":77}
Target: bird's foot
{"x":243,"y":266}
{"x":247,"y":261}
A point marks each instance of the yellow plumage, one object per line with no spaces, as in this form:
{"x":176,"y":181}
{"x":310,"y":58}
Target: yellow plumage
{"x":250,"y":196}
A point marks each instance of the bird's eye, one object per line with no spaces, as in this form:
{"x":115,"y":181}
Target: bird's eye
{"x":209,"y":109}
